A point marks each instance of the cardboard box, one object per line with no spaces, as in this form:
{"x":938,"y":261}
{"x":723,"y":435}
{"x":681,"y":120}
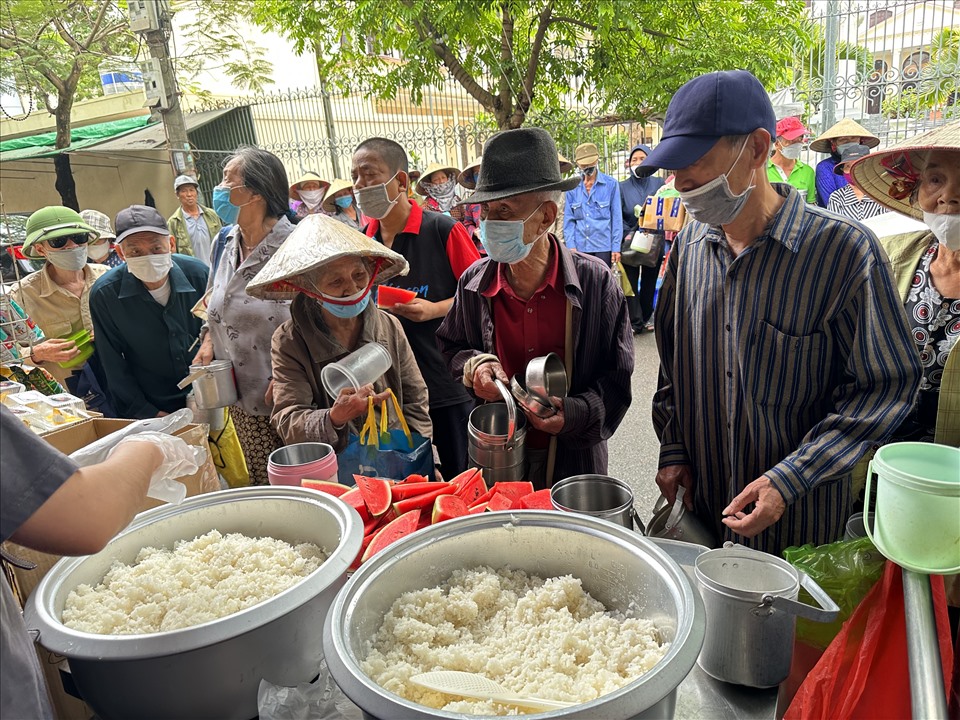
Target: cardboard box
{"x":23,"y":582}
{"x":663,"y":213}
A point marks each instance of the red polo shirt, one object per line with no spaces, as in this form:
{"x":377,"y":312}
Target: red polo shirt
{"x":461,"y":252}
{"x":526,"y":329}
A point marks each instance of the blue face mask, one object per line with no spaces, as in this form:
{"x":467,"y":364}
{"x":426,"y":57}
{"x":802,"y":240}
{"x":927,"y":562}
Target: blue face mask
{"x":227,"y":211}
{"x":347,"y":311}
{"x":503,"y":239}
{"x":343,"y":202}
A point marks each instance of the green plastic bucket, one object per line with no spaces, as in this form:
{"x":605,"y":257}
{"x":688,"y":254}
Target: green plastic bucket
{"x":917,"y":519}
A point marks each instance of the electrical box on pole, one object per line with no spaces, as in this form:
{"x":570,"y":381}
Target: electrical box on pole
{"x":144,"y":15}
{"x":153,"y":84}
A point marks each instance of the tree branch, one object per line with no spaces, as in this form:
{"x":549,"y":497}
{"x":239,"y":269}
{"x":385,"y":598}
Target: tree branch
{"x":67,"y":37}
{"x":104,"y":4}
{"x":534,"y":61}
{"x":506,"y":58}
{"x":588,"y":26}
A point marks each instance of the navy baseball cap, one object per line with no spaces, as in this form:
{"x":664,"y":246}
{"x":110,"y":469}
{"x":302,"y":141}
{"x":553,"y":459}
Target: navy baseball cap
{"x":705,"y":109}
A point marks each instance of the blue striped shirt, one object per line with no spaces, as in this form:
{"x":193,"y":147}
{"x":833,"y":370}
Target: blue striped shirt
{"x":788,"y":361}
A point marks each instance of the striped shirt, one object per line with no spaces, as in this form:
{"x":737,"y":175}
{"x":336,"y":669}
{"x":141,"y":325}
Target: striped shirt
{"x":845,"y":202}
{"x":786,"y":361}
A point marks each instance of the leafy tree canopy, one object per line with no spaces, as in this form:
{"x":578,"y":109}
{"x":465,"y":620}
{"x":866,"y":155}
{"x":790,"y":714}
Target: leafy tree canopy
{"x":514,"y":56}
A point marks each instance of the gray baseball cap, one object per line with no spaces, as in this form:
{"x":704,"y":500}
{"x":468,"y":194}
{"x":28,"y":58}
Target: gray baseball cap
{"x":184,"y":180}
{"x":140,"y":218}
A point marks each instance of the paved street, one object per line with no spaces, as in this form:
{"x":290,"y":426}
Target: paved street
{"x":633,"y":448}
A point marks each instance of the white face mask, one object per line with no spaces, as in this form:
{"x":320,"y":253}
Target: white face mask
{"x":99,"y":251}
{"x":311,"y":198}
{"x":150,"y":268}
{"x":69,"y":258}
{"x":946,"y":228}
{"x":791,"y":152}
{"x":503,"y":239}
{"x":374,"y":202}
{"x":714,"y":203}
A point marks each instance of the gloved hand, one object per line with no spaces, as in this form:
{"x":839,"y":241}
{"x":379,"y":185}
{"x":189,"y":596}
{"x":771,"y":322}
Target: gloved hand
{"x":179,"y":459}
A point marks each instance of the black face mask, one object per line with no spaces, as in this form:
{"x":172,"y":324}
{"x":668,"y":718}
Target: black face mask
{"x":588,"y":171}
{"x":635,"y":171}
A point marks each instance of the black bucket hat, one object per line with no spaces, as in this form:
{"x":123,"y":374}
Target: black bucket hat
{"x":516,"y":162}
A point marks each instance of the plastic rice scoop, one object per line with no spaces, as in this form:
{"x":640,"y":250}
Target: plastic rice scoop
{"x":465,"y":684}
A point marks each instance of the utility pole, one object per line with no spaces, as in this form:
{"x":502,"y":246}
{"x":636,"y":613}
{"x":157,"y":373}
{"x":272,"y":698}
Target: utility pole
{"x":828,"y":111}
{"x":151,"y":19}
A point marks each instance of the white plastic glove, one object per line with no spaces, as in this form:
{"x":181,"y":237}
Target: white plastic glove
{"x":179,"y":459}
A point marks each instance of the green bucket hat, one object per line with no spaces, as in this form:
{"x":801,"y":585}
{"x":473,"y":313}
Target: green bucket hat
{"x":53,"y":222}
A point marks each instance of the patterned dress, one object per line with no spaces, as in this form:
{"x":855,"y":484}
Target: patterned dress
{"x":935,"y":326}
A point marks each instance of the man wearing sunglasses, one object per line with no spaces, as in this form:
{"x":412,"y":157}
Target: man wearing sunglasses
{"x":57,"y":297}
{"x":142,"y":311}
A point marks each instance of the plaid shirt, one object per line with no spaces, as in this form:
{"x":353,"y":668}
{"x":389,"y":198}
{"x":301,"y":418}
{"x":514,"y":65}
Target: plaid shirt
{"x":786,"y":361}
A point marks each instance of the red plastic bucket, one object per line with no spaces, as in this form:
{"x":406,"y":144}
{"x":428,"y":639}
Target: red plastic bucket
{"x":291,"y":464}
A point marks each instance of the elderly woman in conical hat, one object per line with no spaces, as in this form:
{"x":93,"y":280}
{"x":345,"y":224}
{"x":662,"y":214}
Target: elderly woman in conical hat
{"x":833,"y":141}
{"x":329,"y":269}
{"x":920,"y":177}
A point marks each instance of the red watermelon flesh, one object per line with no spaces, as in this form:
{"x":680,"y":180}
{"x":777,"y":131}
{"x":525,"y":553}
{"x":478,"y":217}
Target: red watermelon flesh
{"x":388,"y":296}
{"x":471,"y":485}
{"x":424,"y":520}
{"x":390,"y":533}
{"x":483,"y":499}
{"x":331,"y":488}
{"x":376,"y":493}
{"x":499,"y":501}
{"x":415,"y":479}
{"x":402,"y":492}
{"x":447,"y":507}
{"x":354,"y":499}
{"x":424,"y":500}
{"x":359,"y":558}
{"x":514,"y":490}
{"x":540,"y":500}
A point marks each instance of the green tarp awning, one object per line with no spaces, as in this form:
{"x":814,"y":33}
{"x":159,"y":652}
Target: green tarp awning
{"x":42,"y":145}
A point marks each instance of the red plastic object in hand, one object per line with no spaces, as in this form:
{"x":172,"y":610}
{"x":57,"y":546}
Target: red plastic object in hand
{"x":864,"y":672}
{"x":388,"y":296}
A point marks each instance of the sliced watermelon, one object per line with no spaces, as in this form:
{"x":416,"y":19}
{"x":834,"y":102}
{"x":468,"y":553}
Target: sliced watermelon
{"x":471,"y":485}
{"x":404,"y":491}
{"x":483,"y":499}
{"x":424,"y":520}
{"x":390,"y":533}
{"x":376,"y":493}
{"x":355,"y":565}
{"x":424,"y":500}
{"x":370,"y":526}
{"x":447,"y":507}
{"x":325,"y":486}
{"x":415,"y":479}
{"x":354,"y":499}
{"x":477,"y":509}
{"x":388,"y":296}
{"x":498,"y":502}
{"x":540,"y":500}
{"x":514,"y":490}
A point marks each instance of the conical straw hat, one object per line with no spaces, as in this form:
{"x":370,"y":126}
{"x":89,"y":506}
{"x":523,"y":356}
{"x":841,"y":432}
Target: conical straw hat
{"x":467,"y":178}
{"x":844,"y":128}
{"x":336,"y":186}
{"x":306,"y":177}
{"x":317,"y":241}
{"x":890,"y":176}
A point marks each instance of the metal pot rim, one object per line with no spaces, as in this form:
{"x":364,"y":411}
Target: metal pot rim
{"x":56,"y":636}
{"x":790,"y":590}
{"x":683,"y":651}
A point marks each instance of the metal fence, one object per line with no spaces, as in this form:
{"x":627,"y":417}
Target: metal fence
{"x":876,"y":61}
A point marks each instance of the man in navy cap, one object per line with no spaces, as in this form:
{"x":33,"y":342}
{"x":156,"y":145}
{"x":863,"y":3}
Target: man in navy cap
{"x":784,"y":353}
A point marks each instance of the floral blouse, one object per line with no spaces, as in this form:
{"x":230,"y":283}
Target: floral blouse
{"x":935,"y":325}
{"x":242,"y":326}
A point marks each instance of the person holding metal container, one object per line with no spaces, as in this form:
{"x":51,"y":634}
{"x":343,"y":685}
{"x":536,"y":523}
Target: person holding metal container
{"x":252,"y":201}
{"x":328,"y":271}
{"x":49,"y":503}
{"x":532,"y":296}
{"x":783,"y":350}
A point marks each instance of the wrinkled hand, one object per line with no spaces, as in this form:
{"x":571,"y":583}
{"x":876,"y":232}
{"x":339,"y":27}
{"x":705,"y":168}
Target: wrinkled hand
{"x":204,"y":355}
{"x":418,"y":310}
{"x":614,"y":258}
{"x":437,"y":475}
{"x":55,"y":350}
{"x":483,"y":385}
{"x":671,"y":477}
{"x":768,"y":507}
{"x":551,"y":425}
{"x":352,"y":403}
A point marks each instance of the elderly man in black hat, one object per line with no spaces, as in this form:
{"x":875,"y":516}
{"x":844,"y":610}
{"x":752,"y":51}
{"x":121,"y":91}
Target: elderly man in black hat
{"x":531,"y":296}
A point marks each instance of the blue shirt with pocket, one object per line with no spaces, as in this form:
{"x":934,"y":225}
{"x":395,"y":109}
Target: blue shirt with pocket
{"x":145,"y":348}
{"x":592,"y":222}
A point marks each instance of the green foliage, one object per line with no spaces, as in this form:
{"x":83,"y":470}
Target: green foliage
{"x":810,"y":73}
{"x":514,"y":56}
{"x":939,"y":83}
{"x":904,"y":104}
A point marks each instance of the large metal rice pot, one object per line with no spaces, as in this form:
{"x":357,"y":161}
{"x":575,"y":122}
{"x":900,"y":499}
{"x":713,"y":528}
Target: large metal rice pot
{"x":212,"y":670}
{"x":617,"y":566}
